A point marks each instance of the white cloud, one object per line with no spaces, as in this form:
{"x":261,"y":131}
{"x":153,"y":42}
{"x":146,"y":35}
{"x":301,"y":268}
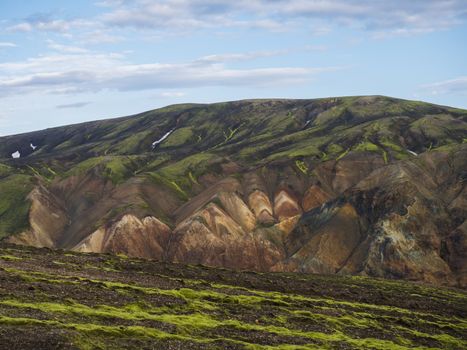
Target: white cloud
{"x":237,"y":57}
{"x":7,"y":44}
{"x":73,"y":105}
{"x":380,"y":17}
{"x":45,"y":24}
{"x":397,"y":17}
{"x":81,"y":72}
{"x":109,"y":3}
{"x":100,"y":36}
{"x":319,"y":48}
{"x":20,"y":27}
{"x":65,"y":48}
{"x":457,"y":85}
{"x":171,"y":94}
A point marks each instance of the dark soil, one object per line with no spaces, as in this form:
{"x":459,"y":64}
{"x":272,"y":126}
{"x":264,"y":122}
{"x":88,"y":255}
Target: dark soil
{"x":61,"y":300}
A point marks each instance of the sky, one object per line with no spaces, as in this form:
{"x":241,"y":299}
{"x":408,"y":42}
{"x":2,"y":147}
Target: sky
{"x":64,"y":62}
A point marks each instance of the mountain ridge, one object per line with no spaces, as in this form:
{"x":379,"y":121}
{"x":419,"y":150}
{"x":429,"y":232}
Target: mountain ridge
{"x":196,"y":104}
{"x":366,"y":185}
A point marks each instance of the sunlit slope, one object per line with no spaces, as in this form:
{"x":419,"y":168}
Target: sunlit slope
{"x":357,"y":185}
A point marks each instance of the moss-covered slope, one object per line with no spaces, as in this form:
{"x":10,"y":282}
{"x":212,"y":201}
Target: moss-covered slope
{"x":367,"y":185}
{"x":63,"y":300}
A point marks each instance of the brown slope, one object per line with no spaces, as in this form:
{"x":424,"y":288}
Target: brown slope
{"x":401,"y":220}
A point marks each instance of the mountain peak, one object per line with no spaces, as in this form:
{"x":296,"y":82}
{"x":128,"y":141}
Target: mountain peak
{"x":367,"y":185}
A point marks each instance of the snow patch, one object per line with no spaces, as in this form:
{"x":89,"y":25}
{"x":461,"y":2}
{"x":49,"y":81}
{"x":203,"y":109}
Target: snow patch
{"x":155,"y":143}
{"x":33,"y":147}
{"x":308,"y":122}
{"x":16,"y":155}
{"x":412,"y":152}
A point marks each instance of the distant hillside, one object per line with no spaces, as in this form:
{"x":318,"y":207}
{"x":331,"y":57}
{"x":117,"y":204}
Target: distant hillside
{"x":366,"y":185}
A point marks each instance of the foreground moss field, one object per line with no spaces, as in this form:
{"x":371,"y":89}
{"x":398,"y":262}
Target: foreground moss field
{"x":61,"y":300}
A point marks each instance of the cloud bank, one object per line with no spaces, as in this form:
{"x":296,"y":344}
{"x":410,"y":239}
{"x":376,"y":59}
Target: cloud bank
{"x":379,"y":16}
{"x":455,"y":86}
{"x":91,"y":72}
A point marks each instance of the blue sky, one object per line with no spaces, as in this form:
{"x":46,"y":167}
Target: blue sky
{"x":65,"y":62}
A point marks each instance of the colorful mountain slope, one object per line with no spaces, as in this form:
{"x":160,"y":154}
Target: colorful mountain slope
{"x":356,"y":185}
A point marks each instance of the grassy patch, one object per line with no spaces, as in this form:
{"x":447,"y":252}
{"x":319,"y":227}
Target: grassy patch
{"x":5,"y":170}
{"x":178,"y":138}
{"x":301,"y":165}
{"x":114,"y":168}
{"x":14,"y":205}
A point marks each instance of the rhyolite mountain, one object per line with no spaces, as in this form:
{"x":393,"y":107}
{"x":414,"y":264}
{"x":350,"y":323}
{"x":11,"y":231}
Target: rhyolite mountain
{"x":355,"y":185}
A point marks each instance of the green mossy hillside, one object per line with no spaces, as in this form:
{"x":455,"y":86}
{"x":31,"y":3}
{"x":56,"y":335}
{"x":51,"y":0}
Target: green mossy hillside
{"x":14,"y":205}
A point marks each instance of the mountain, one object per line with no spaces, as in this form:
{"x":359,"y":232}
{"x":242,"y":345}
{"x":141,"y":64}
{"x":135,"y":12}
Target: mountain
{"x":50,"y":299}
{"x":366,"y":185}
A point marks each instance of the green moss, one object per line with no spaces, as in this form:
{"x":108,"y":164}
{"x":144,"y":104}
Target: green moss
{"x":178,"y":138}
{"x":157,"y":178}
{"x":155,"y":163}
{"x":85,"y":166}
{"x":192,"y":178}
{"x":343,"y":154}
{"x":177,"y":175}
{"x":131,"y":144}
{"x":188,"y":325}
{"x":279,"y":123}
{"x":311,"y":150}
{"x":385,"y":157}
{"x":118,"y":170}
{"x":115,"y":168}
{"x":443,"y":128}
{"x":51,"y":171}
{"x":366,"y":146}
{"x":230,"y":134}
{"x":395,"y":150}
{"x":98,"y":329}
{"x":192,"y":163}
{"x":5,"y":170}
{"x":330,"y":115}
{"x":10,"y":258}
{"x":31,"y":276}
{"x":334,"y":148}
{"x":14,"y":205}
{"x":205,"y":309}
{"x":391,"y":145}
{"x":64,"y":145}
{"x":301,"y":165}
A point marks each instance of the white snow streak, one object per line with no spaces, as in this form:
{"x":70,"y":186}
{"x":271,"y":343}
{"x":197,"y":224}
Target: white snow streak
{"x":155,"y":143}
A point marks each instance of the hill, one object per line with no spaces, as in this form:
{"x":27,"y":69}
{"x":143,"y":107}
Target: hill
{"x":367,"y":185}
{"x":52,"y":299}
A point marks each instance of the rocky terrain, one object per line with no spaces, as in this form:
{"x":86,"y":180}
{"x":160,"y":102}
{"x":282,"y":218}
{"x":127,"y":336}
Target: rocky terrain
{"x":371,"y":186}
{"x":51,"y":299}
